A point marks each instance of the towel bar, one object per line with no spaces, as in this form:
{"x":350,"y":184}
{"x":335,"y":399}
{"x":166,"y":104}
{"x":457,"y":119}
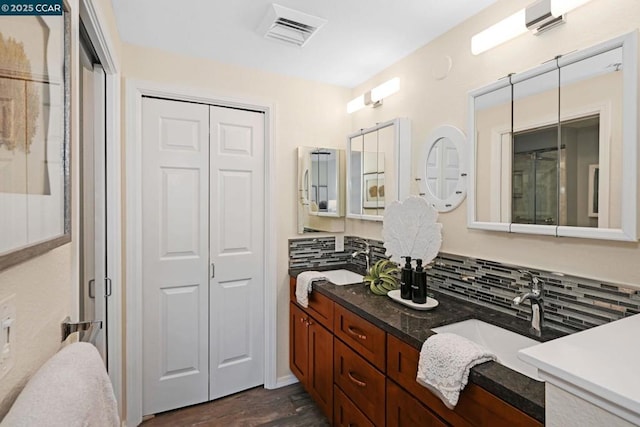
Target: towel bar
{"x":90,"y":328}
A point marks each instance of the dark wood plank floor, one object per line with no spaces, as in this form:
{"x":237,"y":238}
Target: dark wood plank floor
{"x":286,"y":406}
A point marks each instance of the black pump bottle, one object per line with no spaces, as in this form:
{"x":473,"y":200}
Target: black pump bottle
{"x":419,"y":286}
{"x":406,"y":279}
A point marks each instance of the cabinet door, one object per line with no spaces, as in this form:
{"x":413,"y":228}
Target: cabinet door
{"x":403,"y":410}
{"x":320,"y":368}
{"x":346,"y":413}
{"x":298,"y":343}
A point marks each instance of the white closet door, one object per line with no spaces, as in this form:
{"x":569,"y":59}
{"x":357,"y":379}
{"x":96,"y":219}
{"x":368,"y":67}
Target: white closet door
{"x":237,"y":250}
{"x":175,"y":251}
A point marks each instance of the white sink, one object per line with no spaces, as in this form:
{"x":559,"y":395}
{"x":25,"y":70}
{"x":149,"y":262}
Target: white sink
{"x":342,"y":277}
{"x":505,"y":344}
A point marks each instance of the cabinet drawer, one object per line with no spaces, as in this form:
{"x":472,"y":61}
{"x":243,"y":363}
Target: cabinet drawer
{"x":476,"y":407}
{"x":346,"y":413}
{"x":404,"y":410}
{"x":359,"y":380}
{"x":365,"y":338}
{"x":320,"y":306}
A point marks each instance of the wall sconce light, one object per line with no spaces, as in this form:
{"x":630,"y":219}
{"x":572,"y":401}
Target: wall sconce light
{"x":537,"y":17}
{"x":375,"y":96}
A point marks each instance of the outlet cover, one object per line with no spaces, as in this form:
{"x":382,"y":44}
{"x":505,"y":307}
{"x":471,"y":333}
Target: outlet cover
{"x":7,"y":334}
{"x":339,"y":244}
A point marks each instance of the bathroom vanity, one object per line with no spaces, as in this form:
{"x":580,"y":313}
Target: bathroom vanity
{"x":357,"y":356}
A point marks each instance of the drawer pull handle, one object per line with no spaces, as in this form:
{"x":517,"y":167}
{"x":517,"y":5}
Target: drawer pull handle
{"x":356,"y":381}
{"x":356,"y":333}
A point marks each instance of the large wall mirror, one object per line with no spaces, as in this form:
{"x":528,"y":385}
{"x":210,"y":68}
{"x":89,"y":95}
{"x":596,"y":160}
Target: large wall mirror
{"x":555,"y":148}
{"x":35,"y":197}
{"x":321,"y":189}
{"x":378,"y":168}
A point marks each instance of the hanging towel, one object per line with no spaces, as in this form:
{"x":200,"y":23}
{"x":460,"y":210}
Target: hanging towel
{"x":445,"y":362}
{"x":303,"y":286}
{"x":71,"y":389}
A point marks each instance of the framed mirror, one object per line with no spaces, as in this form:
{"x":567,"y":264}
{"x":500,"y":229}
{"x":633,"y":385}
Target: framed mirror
{"x":35,"y":208}
{"x":378,"y":168}
{"x":554,"y":148}
{"x":442,"y":168}
{"x":321,"y":189}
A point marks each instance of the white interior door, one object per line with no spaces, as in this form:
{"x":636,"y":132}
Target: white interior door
{"x":237,"y":250}
{"x":175,"y":254}
{"x":93,"y":292}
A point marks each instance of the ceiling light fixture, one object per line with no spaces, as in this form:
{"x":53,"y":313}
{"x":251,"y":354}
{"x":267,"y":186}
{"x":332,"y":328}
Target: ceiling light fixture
{"x":375,"y":96}
{"x":537,"y":17}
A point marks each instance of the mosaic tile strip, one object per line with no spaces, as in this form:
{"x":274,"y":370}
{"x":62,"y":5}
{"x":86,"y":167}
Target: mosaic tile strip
{"x":571,"y":303}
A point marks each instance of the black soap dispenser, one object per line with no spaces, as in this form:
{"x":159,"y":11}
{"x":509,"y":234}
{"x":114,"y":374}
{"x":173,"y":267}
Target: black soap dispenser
{"x":406,"y":279}
{"x":419,"y":286}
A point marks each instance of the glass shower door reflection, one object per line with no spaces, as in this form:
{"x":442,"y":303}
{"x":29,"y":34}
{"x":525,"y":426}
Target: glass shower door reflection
{"x":535,"y":188}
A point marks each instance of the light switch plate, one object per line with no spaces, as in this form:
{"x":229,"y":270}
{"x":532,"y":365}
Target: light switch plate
{"x":339,"y":245}
{"x":7,"y":334}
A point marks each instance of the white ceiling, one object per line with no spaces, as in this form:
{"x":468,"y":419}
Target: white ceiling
{"x":360,"y":39}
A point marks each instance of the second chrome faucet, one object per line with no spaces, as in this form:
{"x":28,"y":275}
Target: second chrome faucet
{"x":535,"y":297}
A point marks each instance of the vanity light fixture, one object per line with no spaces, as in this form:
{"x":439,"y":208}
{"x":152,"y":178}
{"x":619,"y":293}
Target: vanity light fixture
{"x":537,"y":17}
{"x":375,"y":96}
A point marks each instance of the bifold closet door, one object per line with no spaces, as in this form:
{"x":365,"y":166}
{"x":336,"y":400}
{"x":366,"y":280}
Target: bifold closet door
{"x":237,"y":250}
{"x":175,"y":248}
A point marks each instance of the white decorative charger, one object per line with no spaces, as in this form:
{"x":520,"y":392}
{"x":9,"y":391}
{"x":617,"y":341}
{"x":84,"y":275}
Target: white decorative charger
{"x":429,"y":305}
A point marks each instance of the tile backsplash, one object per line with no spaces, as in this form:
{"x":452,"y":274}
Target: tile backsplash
{"x":571,"y":303}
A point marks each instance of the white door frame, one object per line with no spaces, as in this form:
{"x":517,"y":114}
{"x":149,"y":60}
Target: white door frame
{"x":93,"y":19}
{"x":135,"y":90}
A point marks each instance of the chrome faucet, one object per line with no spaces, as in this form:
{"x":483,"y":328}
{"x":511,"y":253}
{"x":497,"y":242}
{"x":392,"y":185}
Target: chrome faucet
{"x":535,"y":298}
{"x":366,"y":252}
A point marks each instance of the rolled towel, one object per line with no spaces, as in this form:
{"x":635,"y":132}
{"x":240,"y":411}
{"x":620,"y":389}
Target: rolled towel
{"x":71,"y":389}
{"x":445,"y":362}
{"x":304,"y":284}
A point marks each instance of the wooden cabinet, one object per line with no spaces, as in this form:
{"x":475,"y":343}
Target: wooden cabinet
{"x":404,"y":410}
{"x":476,"y":407}
{"x":311,"y":357}
{"x":346,"y":413}
{"x":320,"y":307}
{"x":360,"y":381}
{"x":361,"y":376}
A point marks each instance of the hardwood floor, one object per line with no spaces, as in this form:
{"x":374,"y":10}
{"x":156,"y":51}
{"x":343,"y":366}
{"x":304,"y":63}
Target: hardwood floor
{"x":286,"y":406}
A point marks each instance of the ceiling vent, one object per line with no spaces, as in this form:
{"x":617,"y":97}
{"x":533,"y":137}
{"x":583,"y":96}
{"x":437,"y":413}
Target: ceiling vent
{"x":539,"y":18}
{"x":289,"y":26}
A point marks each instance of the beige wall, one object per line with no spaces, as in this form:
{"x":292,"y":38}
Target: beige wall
{"x":429,"y":103}
{"x":306,"y":113}
{"x":42,"y":288}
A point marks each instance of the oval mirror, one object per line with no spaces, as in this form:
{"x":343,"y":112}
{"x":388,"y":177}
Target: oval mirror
{"x":442,"y":166}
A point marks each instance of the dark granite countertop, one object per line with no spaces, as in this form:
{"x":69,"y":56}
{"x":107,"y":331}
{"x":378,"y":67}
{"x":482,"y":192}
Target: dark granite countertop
{"x":414,"y":327}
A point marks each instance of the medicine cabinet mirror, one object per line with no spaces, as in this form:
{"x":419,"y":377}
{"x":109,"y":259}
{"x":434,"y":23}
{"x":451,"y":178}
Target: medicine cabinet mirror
{"x":321,"y":189}
{"x":378,"y":168}
{"x":555,"y":148}
{"x":442,"y":168}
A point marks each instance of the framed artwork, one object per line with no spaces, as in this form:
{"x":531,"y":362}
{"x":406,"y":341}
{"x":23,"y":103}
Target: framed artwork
{"x":373,"y":190}
{"x":594,"y":181}
{"x":34,"y":136}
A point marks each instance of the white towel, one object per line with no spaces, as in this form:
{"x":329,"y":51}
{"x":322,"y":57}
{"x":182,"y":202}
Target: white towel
{"x":445,"y":362}
{"x":71,"y":389}
{"x":303,"y":286}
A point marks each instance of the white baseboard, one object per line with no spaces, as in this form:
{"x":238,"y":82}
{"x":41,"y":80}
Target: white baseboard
{"x":286,"y":380}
